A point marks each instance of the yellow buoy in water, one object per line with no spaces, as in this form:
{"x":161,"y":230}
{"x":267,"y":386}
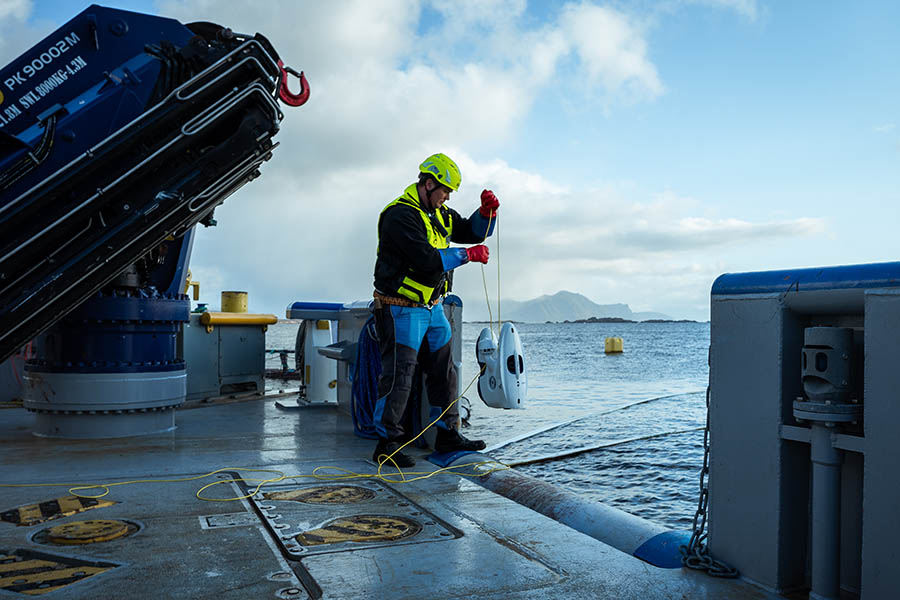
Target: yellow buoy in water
{"x":613,"y":345}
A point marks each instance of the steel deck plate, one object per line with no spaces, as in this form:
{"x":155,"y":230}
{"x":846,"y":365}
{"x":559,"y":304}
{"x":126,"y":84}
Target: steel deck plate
{"x":289,"y":519}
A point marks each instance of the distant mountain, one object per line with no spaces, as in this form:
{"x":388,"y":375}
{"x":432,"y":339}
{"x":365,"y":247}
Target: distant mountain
{"x":561,"y":306}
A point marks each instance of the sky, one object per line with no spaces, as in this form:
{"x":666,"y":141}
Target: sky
{"x":639,"y":149}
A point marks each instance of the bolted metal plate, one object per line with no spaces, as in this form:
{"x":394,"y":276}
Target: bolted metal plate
{"x":361,"y":528}
{"x":308,"y":519}
{"x":324,"y":494}
{"x":85,"y":532}
{"x":57,"y":508}
{"x":33,"y":573}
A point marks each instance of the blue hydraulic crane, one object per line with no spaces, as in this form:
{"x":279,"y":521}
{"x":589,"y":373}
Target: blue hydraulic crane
{"x":119,"y":132}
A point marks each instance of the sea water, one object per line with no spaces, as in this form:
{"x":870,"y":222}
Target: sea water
{"x":652,"y":390}
{"x":655,"y":387}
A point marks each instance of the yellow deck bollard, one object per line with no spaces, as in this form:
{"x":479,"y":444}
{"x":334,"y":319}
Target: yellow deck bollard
{"x":234,"y":302}
{"x":614,"y":345}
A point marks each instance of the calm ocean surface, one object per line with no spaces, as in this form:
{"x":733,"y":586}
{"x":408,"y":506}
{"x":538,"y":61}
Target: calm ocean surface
{"x":570,"y":377}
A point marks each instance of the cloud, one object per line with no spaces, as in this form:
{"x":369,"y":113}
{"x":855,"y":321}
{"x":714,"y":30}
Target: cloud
{"x":611,"y":48}
{"x":884,"y":128}
{"x":747,"y":8}
{"x":15,"y":9}
{"x":382,"y":89}
{"x":697,"y":233}
{"x":16,"y":34}
{"x":551,"y":237}
{"x":387,"y":90}
{"x":316,"y":239}
{"x":390,"y":87}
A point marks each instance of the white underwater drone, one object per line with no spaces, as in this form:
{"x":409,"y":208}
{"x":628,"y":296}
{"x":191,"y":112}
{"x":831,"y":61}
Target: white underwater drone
{"x":503,"y":383}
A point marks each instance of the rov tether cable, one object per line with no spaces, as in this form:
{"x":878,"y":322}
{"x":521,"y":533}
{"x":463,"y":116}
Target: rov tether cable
{"x":487,"y":298}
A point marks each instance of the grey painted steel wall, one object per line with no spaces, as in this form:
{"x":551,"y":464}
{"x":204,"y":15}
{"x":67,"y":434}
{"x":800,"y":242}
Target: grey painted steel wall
{"x":881,"y":485}
{"x":231,"y":357}
{"x":758,"y":482}
{"x":759,"y":507}
{"x":201,"y":356}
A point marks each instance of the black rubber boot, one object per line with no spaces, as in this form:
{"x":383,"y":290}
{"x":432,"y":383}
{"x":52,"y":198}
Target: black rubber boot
{"x":453,"y":441}
{"x":386,"y":448}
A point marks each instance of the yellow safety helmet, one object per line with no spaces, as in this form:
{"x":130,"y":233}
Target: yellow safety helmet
{"x":443,"y":169}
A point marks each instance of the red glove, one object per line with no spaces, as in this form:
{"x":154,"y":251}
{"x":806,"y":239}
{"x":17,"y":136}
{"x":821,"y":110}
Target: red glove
{"x":478,"y":253}
{"x":489,"y":204}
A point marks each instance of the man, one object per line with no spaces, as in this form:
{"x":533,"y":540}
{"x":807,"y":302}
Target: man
{"x":413,"y":272}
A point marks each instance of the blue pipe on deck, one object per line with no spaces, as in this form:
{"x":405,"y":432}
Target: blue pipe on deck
{"x":633,"y":535}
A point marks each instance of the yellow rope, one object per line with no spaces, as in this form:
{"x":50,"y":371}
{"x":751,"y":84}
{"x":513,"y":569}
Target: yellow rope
{"x":381,"y":463}
{"x":318,"y":473}
{"x":487,"y":298}
{"x":77,"y":487}
{"x":499,"y":322}
{"x":341,"y":474}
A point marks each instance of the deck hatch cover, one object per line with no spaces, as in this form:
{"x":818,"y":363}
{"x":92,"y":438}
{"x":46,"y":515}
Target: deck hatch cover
{"x":33,"y":573}
{"x":57,"y":508}
{"x":361,"y":528}
{"x":85,"y":532}
{"x":374,"y":516}
{"x":324,"y":494}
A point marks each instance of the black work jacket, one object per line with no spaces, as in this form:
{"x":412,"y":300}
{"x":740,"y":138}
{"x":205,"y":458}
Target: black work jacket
{"x":405,"y":251}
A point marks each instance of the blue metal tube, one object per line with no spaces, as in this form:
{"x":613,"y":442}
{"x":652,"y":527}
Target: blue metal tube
{"x":633,"y":535}
{"x":845,"y":277}
{"x":826,"y":290}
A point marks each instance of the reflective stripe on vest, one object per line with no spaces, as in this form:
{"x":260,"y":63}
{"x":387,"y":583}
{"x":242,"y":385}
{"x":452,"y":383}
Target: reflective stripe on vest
{"x":409,"y":287}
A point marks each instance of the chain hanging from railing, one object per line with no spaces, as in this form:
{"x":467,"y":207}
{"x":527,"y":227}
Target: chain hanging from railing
{"x":696,"y":554}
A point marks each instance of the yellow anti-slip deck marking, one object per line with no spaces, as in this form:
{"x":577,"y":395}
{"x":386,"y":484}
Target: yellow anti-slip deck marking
{"x":29,"y":514}
{"x":33,"y":573}
{"x":39,"y":576}
{"x":69,"y":505}
{"x":64,"y":506}
{"x":8,"y":567}
{"x":49,"y":575}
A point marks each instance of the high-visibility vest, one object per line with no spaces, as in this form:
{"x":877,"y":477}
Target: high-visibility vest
{"x":438,"y":227}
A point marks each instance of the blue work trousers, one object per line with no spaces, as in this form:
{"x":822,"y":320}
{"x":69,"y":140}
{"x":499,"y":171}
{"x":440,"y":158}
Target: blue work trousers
{"x":409,"y":336}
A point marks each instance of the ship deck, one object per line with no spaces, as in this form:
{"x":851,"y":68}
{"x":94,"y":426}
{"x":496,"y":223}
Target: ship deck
{"x":455,"y":539}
